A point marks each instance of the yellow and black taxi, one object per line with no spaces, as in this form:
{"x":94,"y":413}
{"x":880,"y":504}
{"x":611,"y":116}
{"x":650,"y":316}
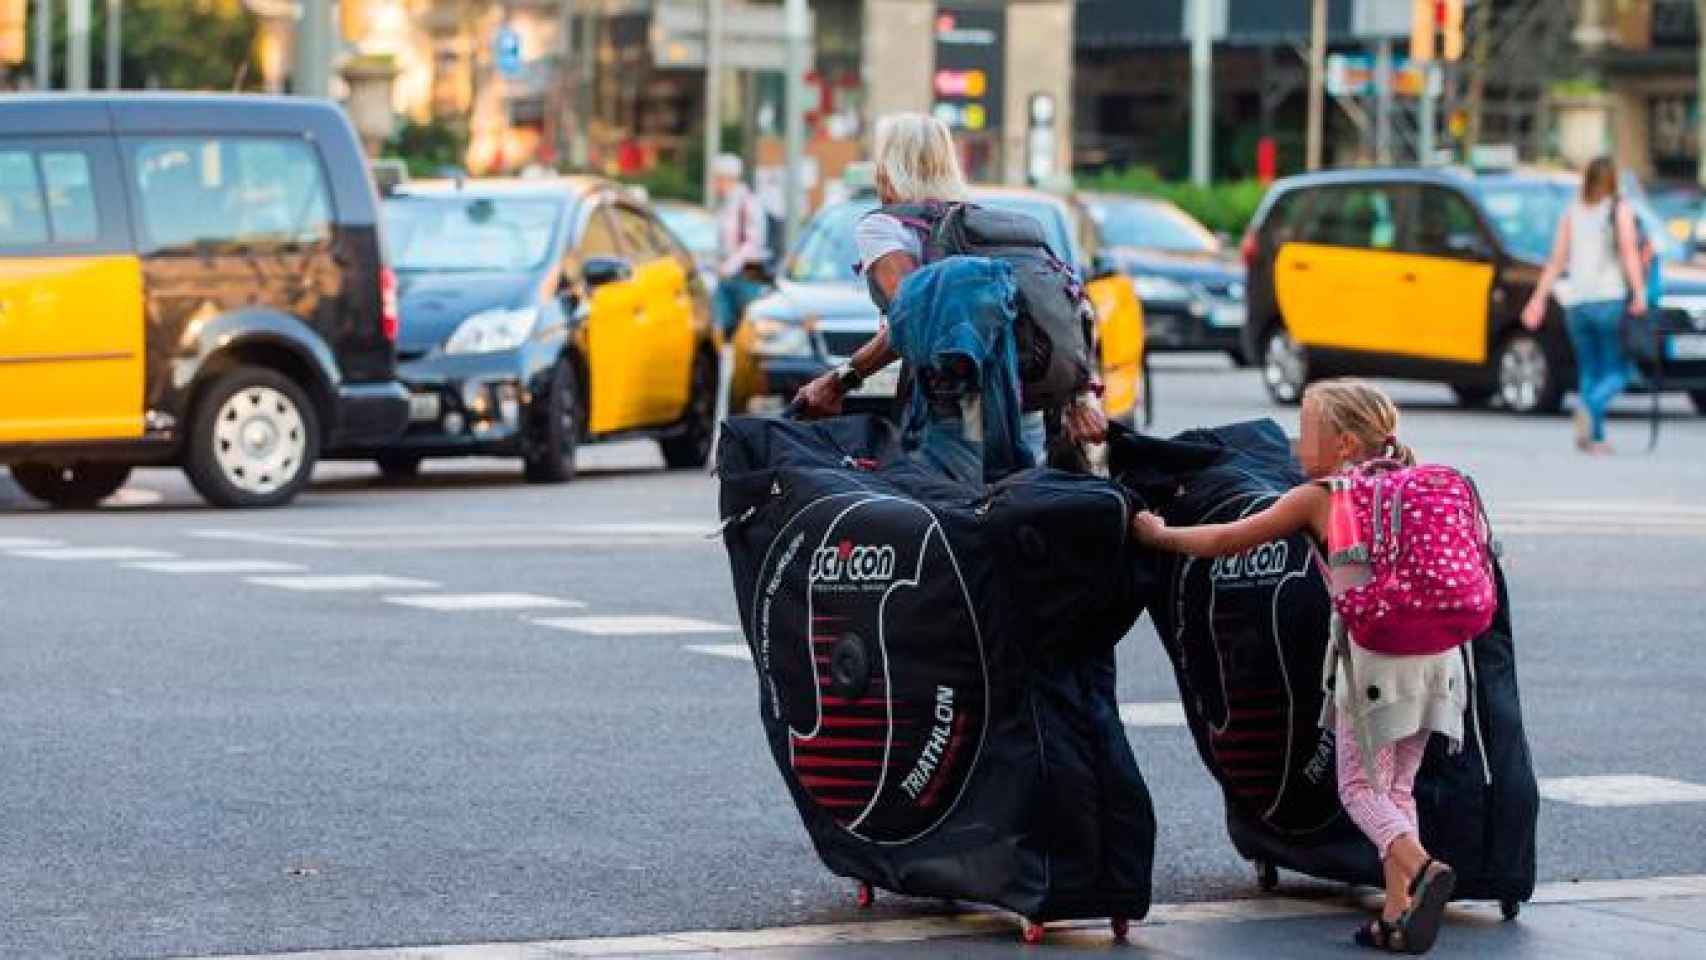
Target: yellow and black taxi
{"x":192,"y":280}
{"x":1422,"y":274}
{"x":821,"y":310}
{"x":541,"y":313}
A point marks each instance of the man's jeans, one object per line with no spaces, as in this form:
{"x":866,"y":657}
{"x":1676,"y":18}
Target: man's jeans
{"x":734,"y":294}
{"x":1601,"y":365}
{"x":947,"y":445}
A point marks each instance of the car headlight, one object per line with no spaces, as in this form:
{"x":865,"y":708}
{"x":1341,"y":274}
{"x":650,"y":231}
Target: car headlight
{"x":1159,"y":288}
{"x":490,"y":331}
{"x":774,"y":337}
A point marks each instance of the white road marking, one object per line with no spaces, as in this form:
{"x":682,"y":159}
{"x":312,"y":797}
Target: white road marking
{"x":1620,"y":790}
{"x":733,"y":651}
{"x":93,"y":553}
{"x":476,"y":536}
{"x":976,"y":923}
{"x":480,"y":601}
{"x":1163,"y":713}
{"x":632,"y":626}
{"x":216,"y":566}
{"x":344,"y":583}
{"x":26,"y":543}
{"x":257,"y":536}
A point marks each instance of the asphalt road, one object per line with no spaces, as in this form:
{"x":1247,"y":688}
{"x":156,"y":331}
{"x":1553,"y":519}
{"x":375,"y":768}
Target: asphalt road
{"x":196,"y":763}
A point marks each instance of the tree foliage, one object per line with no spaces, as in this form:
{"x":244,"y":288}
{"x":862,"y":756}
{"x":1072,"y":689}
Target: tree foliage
{"x":169,"y":44}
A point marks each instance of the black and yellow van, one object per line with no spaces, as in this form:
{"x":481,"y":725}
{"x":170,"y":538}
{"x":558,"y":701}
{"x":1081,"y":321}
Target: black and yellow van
{"x":191,"y":280}
{"x":1422,"y":274}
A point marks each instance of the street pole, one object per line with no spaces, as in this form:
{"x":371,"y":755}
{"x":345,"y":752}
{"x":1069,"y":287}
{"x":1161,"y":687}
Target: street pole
{"x":44,"y":44}
{"x":1478,"y":71}
{"x":1700,"y":80}
{"x":313,"y":74}
{"x":1383,"y":102}
{"x":1429,"y":119}
{"x":1202,"y":95}
{"x":77,"y":45}
{"x":713,"y":90}
{"x":115,"y":17}
{"x":582,"y":151}
{"x":1317,"y":82}
{"x":795,"y":128}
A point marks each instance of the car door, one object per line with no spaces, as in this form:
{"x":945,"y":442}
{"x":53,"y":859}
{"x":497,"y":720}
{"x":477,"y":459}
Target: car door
{"x":1448,"y":286}
{"x":1338,"y":283}
{"x":1119,"y":319}
{"x":72,"y":360}
{"x":668,"y":333}
{"x":615,"y":328}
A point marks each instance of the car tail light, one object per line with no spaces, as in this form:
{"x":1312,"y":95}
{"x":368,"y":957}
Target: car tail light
{"x":1248,"y":248}
{"x":388,"y":322}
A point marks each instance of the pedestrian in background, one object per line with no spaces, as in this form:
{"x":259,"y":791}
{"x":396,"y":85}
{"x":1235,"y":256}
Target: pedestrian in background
{"x":1596,"y":274}
{"x":742,"y":242}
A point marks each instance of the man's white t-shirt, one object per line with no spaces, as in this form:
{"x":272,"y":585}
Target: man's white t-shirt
{"x":879,"y":235}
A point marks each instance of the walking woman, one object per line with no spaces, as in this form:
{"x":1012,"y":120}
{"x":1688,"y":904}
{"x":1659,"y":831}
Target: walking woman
{"x":1595,"y":271}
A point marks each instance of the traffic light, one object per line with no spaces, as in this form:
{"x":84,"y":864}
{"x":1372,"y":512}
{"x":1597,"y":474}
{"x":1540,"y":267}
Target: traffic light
{"x":1422,"y":23}
{"x":1450,"y":14}
{"x":1435,"y":24}
{"x":12,"y":17}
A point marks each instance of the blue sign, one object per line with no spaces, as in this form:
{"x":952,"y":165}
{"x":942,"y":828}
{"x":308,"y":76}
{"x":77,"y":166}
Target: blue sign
{"x":506,"y":50}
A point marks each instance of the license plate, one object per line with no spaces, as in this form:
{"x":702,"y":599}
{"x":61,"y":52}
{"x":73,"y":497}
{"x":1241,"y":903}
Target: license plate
{"x":423,"y":406}
{"x":883,"y":383}
{"x":1227,"y":315}
{"x":1688,"y":346}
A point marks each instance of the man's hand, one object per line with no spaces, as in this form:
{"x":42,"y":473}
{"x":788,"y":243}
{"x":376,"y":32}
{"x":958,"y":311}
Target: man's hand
{"x":820,"y":398}
{"x":1085,"y":422}
{"x":1149,"y":529}
{"x":1534,"y":314}
{"x":1638,"y":305}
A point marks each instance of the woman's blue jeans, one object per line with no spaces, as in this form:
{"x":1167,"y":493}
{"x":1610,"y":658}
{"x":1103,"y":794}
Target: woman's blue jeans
{"x":1596,"y":333}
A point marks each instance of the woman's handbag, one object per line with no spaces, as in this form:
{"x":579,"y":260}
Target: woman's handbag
{"x":1642,"y":334}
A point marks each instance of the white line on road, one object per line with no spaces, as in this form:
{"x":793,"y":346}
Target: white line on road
{"x":480,"y":601}
{"x":1620,"y":790}
{"x":1163,"y":713}
{"x":632,"y":626}
{"x":733,"y":651}
{"x":975,"y":923}
{"x":284,"y":539}
{"x":475,"y":536}
{"x":344,"y":583}
{"x":216,"y":566}
{"x":93,"y":553}
{"x":25,"y":543}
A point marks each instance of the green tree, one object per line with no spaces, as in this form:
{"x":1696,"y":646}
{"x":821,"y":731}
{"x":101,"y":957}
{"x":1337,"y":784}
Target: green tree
{"x":169,"y":44}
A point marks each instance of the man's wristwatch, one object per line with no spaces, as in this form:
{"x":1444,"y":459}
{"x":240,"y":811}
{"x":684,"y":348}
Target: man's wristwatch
{"x":847,"y":378}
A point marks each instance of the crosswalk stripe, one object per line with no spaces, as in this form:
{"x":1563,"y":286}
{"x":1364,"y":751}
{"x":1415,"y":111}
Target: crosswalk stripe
{"x":631,"y":626}
{"x":733,"y":651}
{"x":344,"y":583}
{"x":446,"y":602}
{"x":26,"y":543}
{"x":93,"y":553}
{"x":215,"y":566}
{"x":1163,"y":713}
{"x":1620,"y":790}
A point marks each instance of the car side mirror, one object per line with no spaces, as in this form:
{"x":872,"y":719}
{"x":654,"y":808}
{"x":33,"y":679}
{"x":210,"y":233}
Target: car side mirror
{"x":597,"y":271}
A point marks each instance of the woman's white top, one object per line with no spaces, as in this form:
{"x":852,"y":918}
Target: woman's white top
{"x":1592,"y":273}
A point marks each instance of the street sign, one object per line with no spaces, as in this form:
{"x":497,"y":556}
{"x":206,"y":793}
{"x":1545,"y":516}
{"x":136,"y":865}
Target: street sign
{"x":971,"y":51}
{"x":506,"y":51}
{"x":1356,"y":75}
{"x":754,"y":37}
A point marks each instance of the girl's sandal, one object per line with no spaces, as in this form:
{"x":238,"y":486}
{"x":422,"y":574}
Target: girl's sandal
{"x":1381,"y":934}
{"x":1429,"y":893}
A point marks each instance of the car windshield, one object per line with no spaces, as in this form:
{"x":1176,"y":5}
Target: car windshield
{"x":695,"y":228}
{"x":1527,"y":214}
{"x":469,"y":234}
{"x":828,"y":253}
{"x":1153,"y":226}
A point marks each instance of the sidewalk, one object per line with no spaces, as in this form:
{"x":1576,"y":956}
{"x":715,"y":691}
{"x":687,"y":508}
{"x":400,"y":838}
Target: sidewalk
{"x":1654,"y":919}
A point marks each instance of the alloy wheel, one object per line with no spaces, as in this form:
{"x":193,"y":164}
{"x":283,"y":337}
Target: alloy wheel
{"x":1283,"y":366}
{"x":259,"y":440}
{"x":1524,"y":374}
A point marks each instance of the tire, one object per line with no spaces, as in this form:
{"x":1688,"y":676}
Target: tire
{"x":1527,"y":372}
{"x":77,"y":486}
{"x":398,"y":466}
{"x":1285,"y":366}
{"x":1699,"y":398}
{"x":690,"y":446}
{"x":556,"y":428}
{"x":254,"y":439}
{"x":1474,"y":398}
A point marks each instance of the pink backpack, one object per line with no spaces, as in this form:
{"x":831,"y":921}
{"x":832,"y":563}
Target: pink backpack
{"x":1430,"y":554}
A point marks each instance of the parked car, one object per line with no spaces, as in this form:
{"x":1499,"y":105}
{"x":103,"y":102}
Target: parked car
{"x":696,"y":229}
{"x":1192,"y":290}
{"x":538,"y":314}
{"x":1422,"y":274}
{"x":821,"y":310}
{"x":193,"y":281}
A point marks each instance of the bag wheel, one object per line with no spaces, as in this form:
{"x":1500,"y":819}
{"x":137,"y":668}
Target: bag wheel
{"x":1267,"y":876}
{"x":1121,"y":927}
{"x":865,"y":896}
{"x":1030,"y":931}
{"x":1510,"y":908}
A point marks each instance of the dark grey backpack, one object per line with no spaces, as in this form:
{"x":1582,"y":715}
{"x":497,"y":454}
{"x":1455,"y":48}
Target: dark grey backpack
{"x":1055,"y":324}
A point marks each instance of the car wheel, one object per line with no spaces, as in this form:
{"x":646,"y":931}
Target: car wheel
{"x":254,"y":439}
{"x":1699,"y":398}
{"x":1528,"y":375}
{"x":691,"y":445}
{"x":398,"y":466}
{"x":78,"y":485}
{"x":556,"y":428}
{"x":1285,"y":366}
{"x":1474,"y":397}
